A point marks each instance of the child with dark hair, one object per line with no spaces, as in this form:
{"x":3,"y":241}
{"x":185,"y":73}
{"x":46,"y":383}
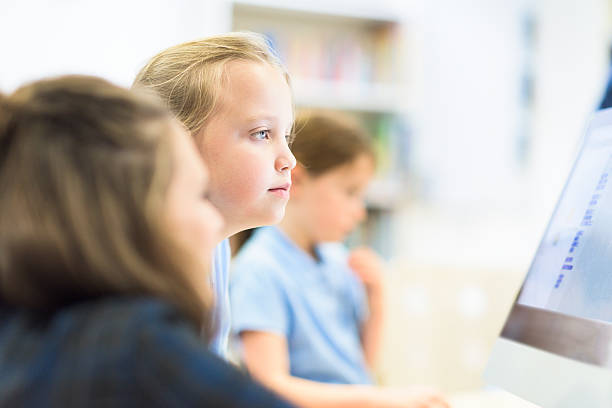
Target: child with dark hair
{"x":106,"y":238}
{"x":309,"y":314}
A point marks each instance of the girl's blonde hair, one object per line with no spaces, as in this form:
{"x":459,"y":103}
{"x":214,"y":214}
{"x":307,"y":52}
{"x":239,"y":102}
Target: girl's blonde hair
{"x":189,"y":76}
{"x":84,"y":172}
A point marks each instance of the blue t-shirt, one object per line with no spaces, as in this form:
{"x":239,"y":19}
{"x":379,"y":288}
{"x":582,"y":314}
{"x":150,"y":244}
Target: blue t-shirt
{"x":220,"y":283}
{"x":318,"y":306}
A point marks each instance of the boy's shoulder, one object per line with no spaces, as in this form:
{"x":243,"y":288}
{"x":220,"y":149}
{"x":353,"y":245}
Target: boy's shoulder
{"x":335,"y":252}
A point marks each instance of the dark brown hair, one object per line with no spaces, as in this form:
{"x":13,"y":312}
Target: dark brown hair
{"x":325,"y":140}
{"x":84,"y":171}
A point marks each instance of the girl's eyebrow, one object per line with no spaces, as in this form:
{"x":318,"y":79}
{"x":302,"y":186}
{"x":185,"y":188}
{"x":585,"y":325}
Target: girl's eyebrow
{"x":263,"y":118}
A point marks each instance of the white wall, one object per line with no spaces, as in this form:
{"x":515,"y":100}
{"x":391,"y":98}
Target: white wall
{"x":571,"y":72}
{"x":471,"y":57}
{"x":111,"y":38}
{"x":480,"y":201}
{"x":465,"y":249}
{"x":472,"y":62}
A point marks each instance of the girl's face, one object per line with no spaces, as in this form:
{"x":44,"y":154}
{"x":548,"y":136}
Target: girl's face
{"x":332,"y":203}
{"x":245,"y":147}
{"x":194,"y":220}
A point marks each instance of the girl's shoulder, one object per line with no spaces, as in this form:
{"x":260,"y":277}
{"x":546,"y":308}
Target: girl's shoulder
{"x":263,"y":251}
{"x":104,"y":332}
{"x":125,"y":351}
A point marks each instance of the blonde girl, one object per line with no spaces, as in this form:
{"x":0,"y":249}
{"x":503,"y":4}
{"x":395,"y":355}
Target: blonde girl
{"x":233,"y":96}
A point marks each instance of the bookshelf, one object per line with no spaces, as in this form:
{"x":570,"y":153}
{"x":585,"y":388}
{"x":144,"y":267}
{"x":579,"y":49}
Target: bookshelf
{"x":347,"y":59}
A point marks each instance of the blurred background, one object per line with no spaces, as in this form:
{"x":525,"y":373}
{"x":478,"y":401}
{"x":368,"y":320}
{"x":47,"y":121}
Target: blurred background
{"x":477,"y":108}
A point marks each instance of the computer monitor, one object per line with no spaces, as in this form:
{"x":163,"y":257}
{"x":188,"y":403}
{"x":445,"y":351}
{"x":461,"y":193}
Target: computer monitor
{"x":555,"y":349}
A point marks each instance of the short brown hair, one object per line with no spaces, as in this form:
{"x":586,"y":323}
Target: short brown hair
{"x":84,"y":170}
{"x":324,"y":140}
{"x":189,"y":76}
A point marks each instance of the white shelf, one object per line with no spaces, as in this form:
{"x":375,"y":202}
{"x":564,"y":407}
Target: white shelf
{"x":360,"y":97}
{"x":361,"y":41}
{"x":385,"y":194}
{"x":367,"y":11}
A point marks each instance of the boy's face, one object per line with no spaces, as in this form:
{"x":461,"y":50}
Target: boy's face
{"x":245,"y":147}
{"x":332,"y":203}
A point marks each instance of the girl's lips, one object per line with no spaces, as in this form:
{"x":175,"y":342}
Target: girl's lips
{"x":281,"y":191}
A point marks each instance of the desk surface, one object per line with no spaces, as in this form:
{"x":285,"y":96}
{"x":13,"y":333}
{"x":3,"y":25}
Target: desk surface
{"x":488,"y":399}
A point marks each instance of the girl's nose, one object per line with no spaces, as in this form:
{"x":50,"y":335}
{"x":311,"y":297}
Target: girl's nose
{"x":286,"y":160}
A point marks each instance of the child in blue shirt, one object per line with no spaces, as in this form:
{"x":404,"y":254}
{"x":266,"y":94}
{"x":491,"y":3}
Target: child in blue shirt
{"x":308,"y":313}
{"x":232,"y":94}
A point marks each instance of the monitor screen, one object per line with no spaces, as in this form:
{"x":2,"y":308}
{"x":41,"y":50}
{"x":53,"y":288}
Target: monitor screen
{"x":572,"y":269}
{"x":555,"y":348}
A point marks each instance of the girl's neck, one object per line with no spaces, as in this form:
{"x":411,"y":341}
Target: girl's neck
{"x":293,"y":227}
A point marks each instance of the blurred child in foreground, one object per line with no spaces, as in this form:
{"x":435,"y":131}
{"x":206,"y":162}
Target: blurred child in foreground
{"x":106,"y":235}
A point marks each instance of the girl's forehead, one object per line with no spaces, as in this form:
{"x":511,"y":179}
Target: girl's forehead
{"x":255,"y":90}
{"x":247,"y":66}
{"x":249,"y":76}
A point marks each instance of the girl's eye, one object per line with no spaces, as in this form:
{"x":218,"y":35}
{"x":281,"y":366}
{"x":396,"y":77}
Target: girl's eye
{"x":263,"y":134}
